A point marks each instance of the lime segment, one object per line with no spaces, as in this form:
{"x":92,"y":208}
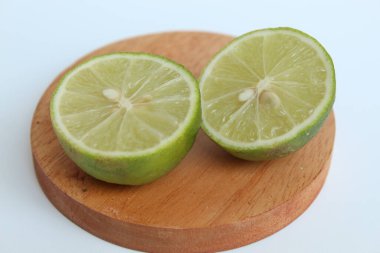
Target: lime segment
{"x":126,"y":107}
{"x":265,"y":91}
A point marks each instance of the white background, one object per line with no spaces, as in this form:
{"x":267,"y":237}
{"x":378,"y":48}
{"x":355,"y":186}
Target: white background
{"x":38,"y":39}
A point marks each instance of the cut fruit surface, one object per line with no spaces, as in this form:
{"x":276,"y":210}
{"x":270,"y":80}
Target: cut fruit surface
{"x":267,"y":93}
{"x":122,"y":117}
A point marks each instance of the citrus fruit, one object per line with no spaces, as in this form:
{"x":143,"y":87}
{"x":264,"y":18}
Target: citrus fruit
{"x":267,"y":93}
{"x":126,"y":118}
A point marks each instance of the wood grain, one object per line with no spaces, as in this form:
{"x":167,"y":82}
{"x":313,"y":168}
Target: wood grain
{"x":210,"y":202}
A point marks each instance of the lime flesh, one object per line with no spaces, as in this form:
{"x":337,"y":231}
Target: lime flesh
{"x":126,"y":118}
{"x":267,"y":93}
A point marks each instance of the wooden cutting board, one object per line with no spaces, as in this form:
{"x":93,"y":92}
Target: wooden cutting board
{"x":210,"y":202}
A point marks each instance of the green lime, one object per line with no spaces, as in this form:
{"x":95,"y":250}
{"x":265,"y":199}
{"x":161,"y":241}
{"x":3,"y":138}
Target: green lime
{"x":267,"y":93}
{"x":126,"y":118}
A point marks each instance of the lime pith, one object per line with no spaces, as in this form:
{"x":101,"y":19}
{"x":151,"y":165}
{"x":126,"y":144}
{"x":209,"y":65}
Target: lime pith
{"x":126,"y":118}
{"x":267,"y":93}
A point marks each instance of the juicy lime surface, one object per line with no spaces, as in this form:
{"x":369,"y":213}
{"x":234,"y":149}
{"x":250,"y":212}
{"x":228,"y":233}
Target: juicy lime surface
{"x":126,"y":118}
{"x":267,"y":93}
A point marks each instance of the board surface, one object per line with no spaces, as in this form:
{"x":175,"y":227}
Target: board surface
{"x":210,"y":202}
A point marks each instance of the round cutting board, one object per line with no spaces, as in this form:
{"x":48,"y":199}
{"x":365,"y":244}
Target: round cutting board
{"x":210,"y":202}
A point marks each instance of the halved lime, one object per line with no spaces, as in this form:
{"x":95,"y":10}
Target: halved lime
{"x":126,"y":118}
{"x":267,"y":93}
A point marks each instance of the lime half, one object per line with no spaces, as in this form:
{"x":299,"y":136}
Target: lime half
{"x":126,"y":118}
{"x":267,"y":93}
